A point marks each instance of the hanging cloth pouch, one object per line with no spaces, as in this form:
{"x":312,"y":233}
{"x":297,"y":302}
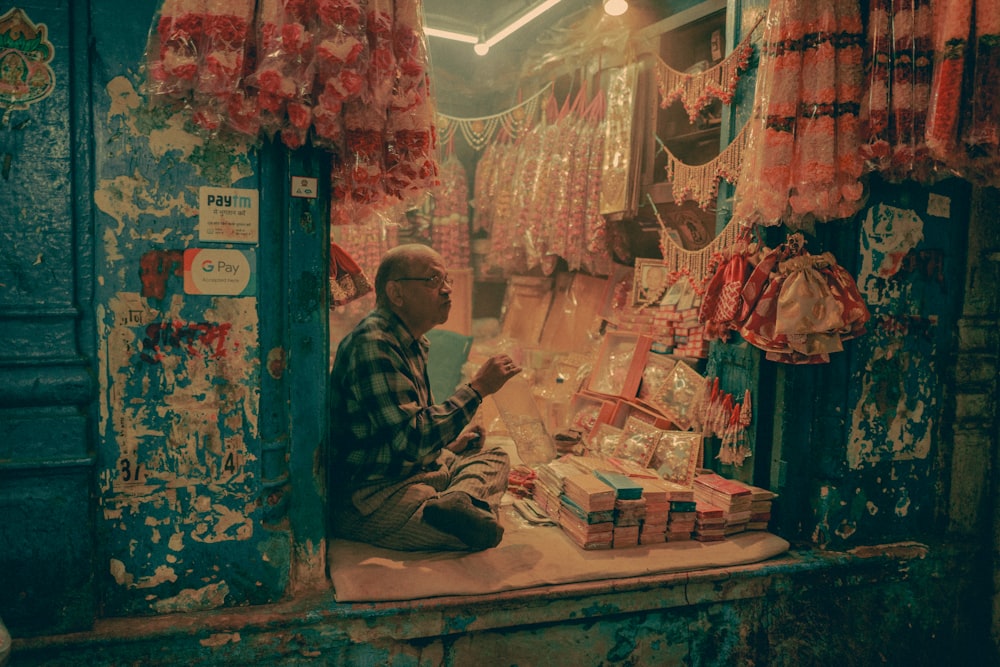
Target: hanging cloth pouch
{"x":348,"y":281}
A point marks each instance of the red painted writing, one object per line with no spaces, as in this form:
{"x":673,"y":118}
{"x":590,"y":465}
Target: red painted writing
{"x":197,"y":339}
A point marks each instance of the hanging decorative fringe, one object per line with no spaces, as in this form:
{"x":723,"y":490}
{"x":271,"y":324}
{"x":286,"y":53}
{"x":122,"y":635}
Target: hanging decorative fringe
{"x":701,"y":182}
{"x":478,"y":132}
{"x":723,"y":417}
{"x":698,"y":264}
{"x":696,"y":90}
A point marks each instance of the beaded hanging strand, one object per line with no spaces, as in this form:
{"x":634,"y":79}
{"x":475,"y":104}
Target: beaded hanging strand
{"x":698,"y":264}
{"x":479,"y":132}
{"x":696,"y":91}
{"x":701,"y":182}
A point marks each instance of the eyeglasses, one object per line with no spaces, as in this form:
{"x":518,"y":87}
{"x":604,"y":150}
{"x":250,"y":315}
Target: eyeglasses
{"x":432,"y":282}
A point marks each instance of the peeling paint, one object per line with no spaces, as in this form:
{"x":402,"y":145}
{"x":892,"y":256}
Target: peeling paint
{"x":193,"y":599}
{"x":178,"y":478}
{"x":118,"y":571}
{"x":902,"y":503}
{"x":896,"y":411}
{"x":221,"y":639}
{"x":124,"y":578}
{"x":458,"y":623}
{"x":276,"y":362}
{"x":155,"y":267}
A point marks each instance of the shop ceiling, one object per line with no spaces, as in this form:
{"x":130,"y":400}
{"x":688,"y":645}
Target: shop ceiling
{"x":467,"y":84}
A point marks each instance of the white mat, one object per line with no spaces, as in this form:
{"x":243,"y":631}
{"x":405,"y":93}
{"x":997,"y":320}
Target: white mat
{"x":528,"y":556}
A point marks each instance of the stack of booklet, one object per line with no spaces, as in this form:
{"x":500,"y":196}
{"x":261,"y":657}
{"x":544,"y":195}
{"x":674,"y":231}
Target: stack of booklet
{"x":630,"y":508}
{"x":655,"y":492}
{"x":729,"y":495}
{"x":710,"y":523}
{"x":681,"y":518}
{"x":587,"y":511}
{"x":600,"y":504}
{"x":549,"y":486}
{"x":760,"y":508}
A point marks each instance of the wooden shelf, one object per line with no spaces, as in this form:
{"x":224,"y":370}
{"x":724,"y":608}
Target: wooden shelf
{"x":689,"y":37}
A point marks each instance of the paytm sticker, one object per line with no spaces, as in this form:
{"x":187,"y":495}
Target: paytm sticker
{"x":220,"y":271}
{"x":229,"y":215}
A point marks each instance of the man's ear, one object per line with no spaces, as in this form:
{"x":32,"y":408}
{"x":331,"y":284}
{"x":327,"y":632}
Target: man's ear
{"x":394,"y":291}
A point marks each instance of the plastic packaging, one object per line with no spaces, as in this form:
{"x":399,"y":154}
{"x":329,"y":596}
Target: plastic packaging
{"x":519,"y":411}
{"x":803,"y":161}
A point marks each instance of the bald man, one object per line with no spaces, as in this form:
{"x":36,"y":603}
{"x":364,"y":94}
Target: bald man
{"x":406,"y":472}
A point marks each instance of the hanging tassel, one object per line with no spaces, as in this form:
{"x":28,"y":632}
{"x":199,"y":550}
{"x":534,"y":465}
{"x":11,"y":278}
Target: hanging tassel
{"x":746,"y":413}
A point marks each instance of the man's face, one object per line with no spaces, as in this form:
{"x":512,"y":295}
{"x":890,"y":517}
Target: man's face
{"x":426,"y":295}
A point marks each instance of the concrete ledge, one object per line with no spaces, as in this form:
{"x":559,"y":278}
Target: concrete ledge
{"x":316,"y":627}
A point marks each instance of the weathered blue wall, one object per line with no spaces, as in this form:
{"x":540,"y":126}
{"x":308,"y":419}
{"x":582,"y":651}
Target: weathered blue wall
{"x":47,"y":382}
{"x":196,"y":457}
{"x":858,"y":443}
{"x":147,"y":451}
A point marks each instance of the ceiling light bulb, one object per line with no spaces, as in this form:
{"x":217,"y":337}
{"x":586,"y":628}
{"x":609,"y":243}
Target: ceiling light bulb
{"x":481,"y":48}
{"x":615,"y":7}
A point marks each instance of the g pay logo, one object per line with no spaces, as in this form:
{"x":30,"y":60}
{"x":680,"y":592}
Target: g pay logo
{"x":220,"y":271}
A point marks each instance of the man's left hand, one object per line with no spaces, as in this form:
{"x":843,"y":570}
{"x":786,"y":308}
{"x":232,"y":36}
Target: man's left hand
{"x":468,"y":440}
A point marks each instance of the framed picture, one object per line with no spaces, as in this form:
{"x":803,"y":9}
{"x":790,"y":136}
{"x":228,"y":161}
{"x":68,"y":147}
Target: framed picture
{"x":639,"y":441}
{"x":676,"y":456}
{"x":650,"y":282}
{"x":680,"y":396}
{"x":654,"y":375}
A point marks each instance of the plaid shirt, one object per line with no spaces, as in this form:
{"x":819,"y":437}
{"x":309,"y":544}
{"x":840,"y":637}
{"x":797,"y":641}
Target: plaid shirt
{"x":384,"y":425}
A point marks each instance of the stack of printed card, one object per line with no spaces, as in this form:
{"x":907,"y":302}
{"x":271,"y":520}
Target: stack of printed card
{"x":654,"y":523}
{"x":680,"y":522}
{"x":549,"y":485}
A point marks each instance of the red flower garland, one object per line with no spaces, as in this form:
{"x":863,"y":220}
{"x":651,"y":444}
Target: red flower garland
{"x":348,"y":75}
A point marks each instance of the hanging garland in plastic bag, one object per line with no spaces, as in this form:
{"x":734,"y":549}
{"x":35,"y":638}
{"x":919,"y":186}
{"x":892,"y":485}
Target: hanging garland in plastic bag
{"x":348,"y":76}
{"x":696,"y":90}
{"x":803,"y":161}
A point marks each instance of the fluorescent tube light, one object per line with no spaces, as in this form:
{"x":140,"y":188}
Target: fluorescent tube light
{"x":448,"y":34}
{"x":522,"y":21}
{"x":503,"y":33}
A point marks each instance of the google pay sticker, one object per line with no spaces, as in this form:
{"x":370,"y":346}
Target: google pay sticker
{"x":220,"y":271}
